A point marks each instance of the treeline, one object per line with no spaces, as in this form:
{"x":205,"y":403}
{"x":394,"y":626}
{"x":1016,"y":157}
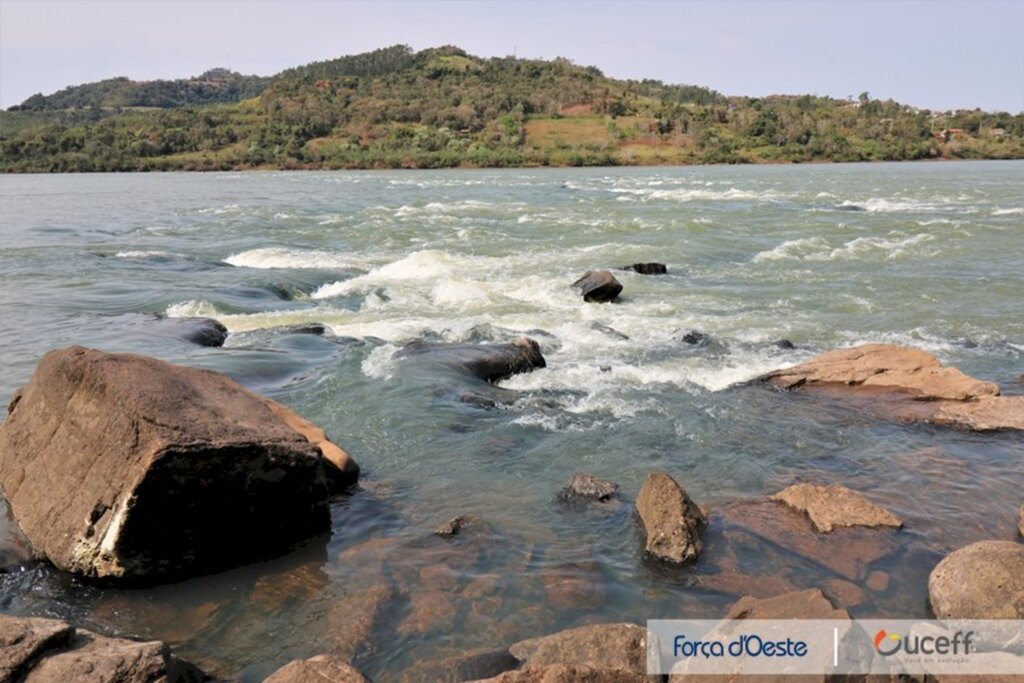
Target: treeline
{"x":442,"y":107}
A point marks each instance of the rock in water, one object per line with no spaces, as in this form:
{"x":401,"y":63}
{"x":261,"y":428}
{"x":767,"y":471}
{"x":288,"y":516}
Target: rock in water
{"x":319,"y":669}
{"x":985,"y":580}
{"x":120,"y":466}
{"x":647,"y":268}
{"x":585,"y":487}
{"x":908,"y":383}
{"x":610,"y":648}
{"x":201,"y":331}
{"x":1020,"y":520}
{"x":673,"y":523}
{"x":43,"y":650}
{"x":598,"y":286}
{"x":489,"y":362}
{"x":808,"y":604}
{"x":832,"y":506}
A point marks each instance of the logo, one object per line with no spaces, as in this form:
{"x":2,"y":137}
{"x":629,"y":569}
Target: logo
{"x":888,"y":644}
{"x":744,"y":646}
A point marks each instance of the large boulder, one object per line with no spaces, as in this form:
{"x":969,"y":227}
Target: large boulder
{"x":489,"y":362}
{"x":984,"y":580}
{"x":832,"y":506}
{"x":907,"y":383}
{"x":598,"y":286}
{"x":45,"y":650}
{"x":319,"y":669}
{"x":672,"y":522}
{"x":119,"y":466}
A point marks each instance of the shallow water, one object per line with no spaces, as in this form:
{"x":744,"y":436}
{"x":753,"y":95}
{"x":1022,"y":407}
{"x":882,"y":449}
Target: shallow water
{"x":825,"y":256}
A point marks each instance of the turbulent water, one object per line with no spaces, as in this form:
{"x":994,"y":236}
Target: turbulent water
{"x":928,"y":255}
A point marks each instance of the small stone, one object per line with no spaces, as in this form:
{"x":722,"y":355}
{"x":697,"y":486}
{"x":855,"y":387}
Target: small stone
{"x":453,"y":526}
{"x":832,"y":506}
{"x":584,"y":487}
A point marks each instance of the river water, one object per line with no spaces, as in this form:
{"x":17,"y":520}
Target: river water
{"x":926,"y":254}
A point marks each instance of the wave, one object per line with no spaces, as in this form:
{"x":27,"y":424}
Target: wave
{"x":283,"y":257}
{"x":147,"y":255}
{"x":193,"y":308}
{"x":1016,"y":211}
{"x":818,"y":249}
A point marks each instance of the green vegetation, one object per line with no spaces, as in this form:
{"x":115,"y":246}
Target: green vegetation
{"x":395,"y":108}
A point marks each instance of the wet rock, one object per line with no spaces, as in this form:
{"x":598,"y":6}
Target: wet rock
{"x":647,"y":268}
{"x":489,"y":362}
{"x":469,"y":666}
{"x":584,"y":487}
{"x":785,"y":345}
{"x":760,"y":526}
{"x":808,"y":604}
{"x":844,"y":593}
{"x":908,"y":384}
{"x":431,"y":610}
{"x":1020,"y":521}
{"x":832,"y":506}
{"x":439,"y":577}
{"x":317,"y":329}
{"x":574,"y":585}
{"x":341,"y":469}
{"x":607,"y":648}
{"x":119,"y":466}
{"x":45,"y":650}
{"x":484,"y":586}
{"x":745,"y":584}
{"x":319,"y":669}
{"x":610,"y":331}
{"x":453,"y":526}
{"x":877,"y":581}
{"x":695,"y":338}
{"x":672,"y":522}
{"x":984,"y":580}
{"x":201,"y":331}
{"x":356,"y":618}
{"x":568,"y":673}
{"x":598,"y":286}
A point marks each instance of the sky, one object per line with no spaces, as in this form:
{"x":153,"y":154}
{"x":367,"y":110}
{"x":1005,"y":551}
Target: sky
{"x":935,"y":54}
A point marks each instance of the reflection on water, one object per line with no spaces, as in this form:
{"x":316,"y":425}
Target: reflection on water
{"x":755,"y":255}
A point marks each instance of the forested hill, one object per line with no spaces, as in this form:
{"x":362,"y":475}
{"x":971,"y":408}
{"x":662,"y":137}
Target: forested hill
{"x":213,"y":86}
{"x":396,"y":108}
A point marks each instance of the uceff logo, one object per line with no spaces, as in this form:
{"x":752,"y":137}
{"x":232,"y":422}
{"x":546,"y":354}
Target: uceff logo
{"x":744,"y":646}
{"x":888,"y":644}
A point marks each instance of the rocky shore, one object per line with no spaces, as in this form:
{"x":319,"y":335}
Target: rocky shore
{"x":124,"y":471}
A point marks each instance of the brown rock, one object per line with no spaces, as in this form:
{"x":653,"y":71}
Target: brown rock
{"x":24,"y":640}
{"x":483,"y":586}
{"x":844,"y":593}
{"x":468,"y":666}
{"x":46,"y":650}
{"x":606,"y":647}
{"x":908,"y":384}
{"x":877,"y":581}
{"x":1020,"y":520}
{"x":123,"y":466}
{"x":832,"y":506}
{"x":984,"y":580}
{"x":355,"y":619}
{"x":808,"y":604}
{"x":673,"y":523}
{"x":343,"y":470}
{"x":319,"y":669}
{"x":745,"y":584}
{"x":565,"y":673}
{"x":575,"y":585}
{"x":453,"y":526}
{"x":431,"y":610}
{"x":647,"y":268}
{"x":439,"y":577}
{"x":598,"y":286}
{"x":587,"y":487}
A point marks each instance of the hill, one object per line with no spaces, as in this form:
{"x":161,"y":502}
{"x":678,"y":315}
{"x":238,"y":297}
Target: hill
{"x":442,"y":107}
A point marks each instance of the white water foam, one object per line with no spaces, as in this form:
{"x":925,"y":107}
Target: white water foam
{"x":283,"y":257}
{"x":381,"y":362}
{"x":193,"y":308}
{"x":819,"y":249}
{"x":144,"y":255}
{"x":1016,"y":211}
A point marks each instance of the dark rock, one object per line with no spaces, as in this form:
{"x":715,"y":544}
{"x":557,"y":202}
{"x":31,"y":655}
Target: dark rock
{"x":985,"y":580}
{"x":45,"y":650}
{"x":695,"y":338}
{"x":672,"y":522}
{"x":909,"y":384}
{"x":610,"y":331}
{"x":453,"y":526}
{"x":832,"y":506}
{"x":587,"y":487}
{"x":319,"y":669}
{"x":647,"y":268}
{"x":607,"y":648}
{"x":318,"y":329}
{"x":598,"y":286}
{"x":574,"y":585}
{"x":120,"y":466}
{"x":785,"y":345}
{"x":201,"y":331}
{"x":470,"y":666}
{"x":489,"y":362}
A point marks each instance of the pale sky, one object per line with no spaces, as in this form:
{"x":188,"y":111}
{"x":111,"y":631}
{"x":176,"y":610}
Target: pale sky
{"x":928,"y":53}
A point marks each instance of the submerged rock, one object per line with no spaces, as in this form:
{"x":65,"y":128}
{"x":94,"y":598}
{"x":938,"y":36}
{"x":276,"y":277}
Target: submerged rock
{"x":808,"y":604}
{"x":489,"y":362}
{"x":201,"y":331}
{"x":606,"y":648}
{"x":695,"y":338}
{"x":319,"y":669}
{"x":610,"y":331}
{"x":672,"y":522}
{"x":469,"y":666}
{"x":598,"y":286}
{"x":574,"y":585}
{"x":43,"y":650}
{"x":908,"y":383}
{"x":984,"y":580}
{"x":586,"y":487}
{"x":832,"y":506}
{"x":647,"y":268}
{"x":119,"y":466}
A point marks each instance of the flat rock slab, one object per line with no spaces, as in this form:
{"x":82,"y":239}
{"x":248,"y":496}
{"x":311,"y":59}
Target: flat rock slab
{"x":984,"y":580}
{"x":319,"y":669}
{"x":598,"y":286}
{"x":606,"y":647}
{"x":834,"y":506}
{"x":119,"y":466}
{"x":807,"y":604}
{"x":46,"y":650}
{"x":672,"y":522}
{"x":908,"y":384}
